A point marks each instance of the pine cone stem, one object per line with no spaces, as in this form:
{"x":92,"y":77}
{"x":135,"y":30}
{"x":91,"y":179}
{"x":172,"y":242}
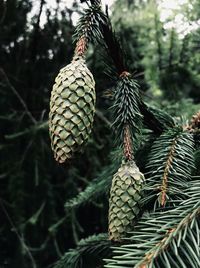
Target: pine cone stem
{"x":128,"y":146}
{"x":124,"y":74}
{"x":81,"y":47}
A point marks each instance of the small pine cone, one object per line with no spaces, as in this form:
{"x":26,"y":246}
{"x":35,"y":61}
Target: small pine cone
{"x":72,"y":108}
{"x":125,"y":195}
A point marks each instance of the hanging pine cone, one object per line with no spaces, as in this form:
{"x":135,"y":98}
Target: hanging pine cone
{"x":125,"y":194}
{"x":72,"y":109}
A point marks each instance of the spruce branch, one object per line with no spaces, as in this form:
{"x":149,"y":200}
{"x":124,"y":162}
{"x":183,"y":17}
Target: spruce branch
{"x":113,"y":46}
{"x":114,"y":50}
{"x":95,"y":25}
{"x":172,"y":236}
{"x":92,"y":248}
{"x":88,"y":28}
{"x":126,"y":113}
{"x":164,"y":239}
{"x":169,"y":166}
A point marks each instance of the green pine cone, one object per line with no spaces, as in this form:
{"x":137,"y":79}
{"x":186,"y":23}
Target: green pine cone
{"x":72,"y":108}
{"x":125,"y":195}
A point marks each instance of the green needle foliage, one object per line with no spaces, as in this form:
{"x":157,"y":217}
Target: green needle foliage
{"x":170,"y":166}
{"x":164,"y":239}
{"x":89,"y":24}
{"x":126,"y":107}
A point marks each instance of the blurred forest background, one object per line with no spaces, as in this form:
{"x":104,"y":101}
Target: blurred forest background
{"x":36,"y":229}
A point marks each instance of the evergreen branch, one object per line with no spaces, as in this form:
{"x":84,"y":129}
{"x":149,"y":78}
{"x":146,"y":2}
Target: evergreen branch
{"x":125,"y":109}
{"x":164,"y":239}
{"x":88,"y":26}
{"x":169,"y":166}
{"x":155,"y":119}
{"x":89,"y":252}
{"x":172,"y":235}
{"x":95,"y":189}
{"x":100,"y":29}
{"x":115,"y":51}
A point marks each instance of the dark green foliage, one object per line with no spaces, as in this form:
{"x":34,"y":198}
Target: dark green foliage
{"x":33,"y":187}
{"x":163,"y":117}
{"x":89,"y":253}
{"x":96,"y":188}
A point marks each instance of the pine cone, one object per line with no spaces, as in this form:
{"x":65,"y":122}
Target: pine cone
{"x":72,"y":109}
{"x":125,"y":194}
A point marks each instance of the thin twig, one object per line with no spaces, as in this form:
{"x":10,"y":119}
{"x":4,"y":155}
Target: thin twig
{"x":32,"y":129}
{"x":18,"y":235}
{"x":17,"y":95}
{"x":103,"y":118}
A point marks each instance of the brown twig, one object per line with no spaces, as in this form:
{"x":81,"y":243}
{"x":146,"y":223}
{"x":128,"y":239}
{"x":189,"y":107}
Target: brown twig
{"x":128,"y":146}
{"x":81,"y":46}
{"x":164,"y":185}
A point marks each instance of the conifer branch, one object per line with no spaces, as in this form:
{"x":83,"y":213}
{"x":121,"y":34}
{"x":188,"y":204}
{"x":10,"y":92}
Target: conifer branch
{"x":115,"y":51}
{"x":126,"y":113}
{"x":113,"y":46}
{"x":172,"y":234}
{"x":164,"y":120}
{"x":164,"y":239}
{"x":94,"y":247}
{"x":88,"y":29}
{"x":169,"y":166}
{"x":100,"y":29}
